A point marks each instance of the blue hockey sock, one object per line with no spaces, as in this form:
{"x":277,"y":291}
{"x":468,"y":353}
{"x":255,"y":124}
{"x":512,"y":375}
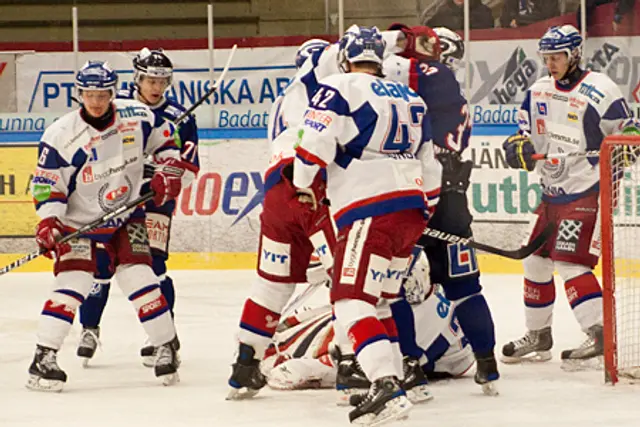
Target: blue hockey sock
{"x":405,"y":324}
{"x":93,"y":306}
{"x":475,"y":320}
{"x":166,"y":287}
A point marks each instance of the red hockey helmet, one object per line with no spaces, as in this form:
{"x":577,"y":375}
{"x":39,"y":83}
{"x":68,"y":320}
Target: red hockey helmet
{"x":422,"y":42}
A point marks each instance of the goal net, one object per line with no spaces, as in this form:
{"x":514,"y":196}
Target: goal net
{"x":620,"y":218}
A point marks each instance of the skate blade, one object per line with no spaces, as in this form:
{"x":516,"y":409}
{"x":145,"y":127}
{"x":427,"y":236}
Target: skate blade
{"x":490,"y":389}
{"x":241,"y":393}
{"x":535,"y":357}
{"x":343,"y":396}
{"x":85,"y":362}
{"x":37,"y":383}
{"x":149,"y":361}
{"x":170,"y":379}
{"x":578,"y":365}
{"x":395,"y":409}
{"x":419,"y":394}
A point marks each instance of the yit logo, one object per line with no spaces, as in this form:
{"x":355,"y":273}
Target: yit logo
{"x":273,"y":257}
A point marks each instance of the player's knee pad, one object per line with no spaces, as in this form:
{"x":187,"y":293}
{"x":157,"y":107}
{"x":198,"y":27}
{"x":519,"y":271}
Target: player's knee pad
{"x":350,"y":311}
{"x":538,"y":269}
{"x":71,"y":289}
{"x":460,"y":290}
{"x":392,"y":282}
{"x":568,"y":270}
{"x":134,"y":277}
{"x":271,"y":295}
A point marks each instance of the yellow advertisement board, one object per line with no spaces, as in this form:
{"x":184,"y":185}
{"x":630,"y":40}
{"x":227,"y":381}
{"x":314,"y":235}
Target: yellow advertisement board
{"x":17,"y":212}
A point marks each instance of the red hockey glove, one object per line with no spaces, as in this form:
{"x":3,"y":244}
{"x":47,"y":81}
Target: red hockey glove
{"x":48,"y":232}
{"x":167,"y":180}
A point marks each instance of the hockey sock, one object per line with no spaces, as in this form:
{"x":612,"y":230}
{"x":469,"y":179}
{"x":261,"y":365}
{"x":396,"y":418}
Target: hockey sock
{"x":392,"y":332}
{"x":167,"y":289}
{"x":585,"y":297}
{"x":475,"y":320}
{"x":92,"y":308}
{"x":373,"y":349}
{"x":257,"y":326}
{"x":539,"y":299}
{"x":405,"y":323}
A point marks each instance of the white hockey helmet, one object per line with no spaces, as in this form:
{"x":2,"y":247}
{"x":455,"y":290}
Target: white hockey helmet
{"x":452,"y":47}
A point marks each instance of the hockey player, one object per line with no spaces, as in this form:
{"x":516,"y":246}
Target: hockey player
{"x":289,"y":235}
{"x":569,"y":111}
{"x":305,"y":357}
{"x":307,"y":48}
{"x":90,"y":161}
{"x":454,"y":266}
{"x":153,"y":74}
{"x":373,"y":138}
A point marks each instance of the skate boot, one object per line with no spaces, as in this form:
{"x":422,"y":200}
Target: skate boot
{"x":386,"y":401}
{"x":487,"y":373}
{"x":44,"y":372}
{"x":589,"y":355}
{"x":350,"y":379}
{"x":89,"y":342}
{"x":246,"y":379}
{"x":535,"y":346}
{"x":415,"y":382}
{"x":148,"y":352}
{"x":167,"y":363}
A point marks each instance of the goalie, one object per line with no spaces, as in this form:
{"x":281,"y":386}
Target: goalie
{"x":570,"y":111}
{"x":306,"y":356}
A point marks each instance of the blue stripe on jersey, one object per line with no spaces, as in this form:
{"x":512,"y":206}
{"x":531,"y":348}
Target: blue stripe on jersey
{"x":365,"y":119}
{"x":157,"y":118}
{"x":51,"y":159}
{"x":592,"y":131}
{"x":435,"y":352}
{"x":379,"y":208}
{"x":309,"y":80}
{"x":146,"y":132}
{"x":406,"y":326}
{"x":526,"y":106}
{"x":78,"y":161}
{"x":568,"y":198}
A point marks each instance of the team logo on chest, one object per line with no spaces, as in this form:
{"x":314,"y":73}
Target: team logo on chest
{"x":111,"y":197}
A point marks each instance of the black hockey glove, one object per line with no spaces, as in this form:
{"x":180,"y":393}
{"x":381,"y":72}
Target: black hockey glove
{"x":519,"y":151}
{"x":455,"y":172}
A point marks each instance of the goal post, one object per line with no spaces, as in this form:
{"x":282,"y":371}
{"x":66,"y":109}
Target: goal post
{"x":620,"y":245}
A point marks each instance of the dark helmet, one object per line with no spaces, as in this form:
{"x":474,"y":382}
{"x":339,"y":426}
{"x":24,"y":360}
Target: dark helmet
{"x":152,"y":63}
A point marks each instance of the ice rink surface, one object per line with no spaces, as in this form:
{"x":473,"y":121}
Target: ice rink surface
{"x":118,"y":391}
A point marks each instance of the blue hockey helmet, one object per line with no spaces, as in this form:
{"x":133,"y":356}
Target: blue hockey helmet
{"x":565,"y":38}
{"x":96,"y":75}
{"x":307,"y":48}
{"x":361,"y":44}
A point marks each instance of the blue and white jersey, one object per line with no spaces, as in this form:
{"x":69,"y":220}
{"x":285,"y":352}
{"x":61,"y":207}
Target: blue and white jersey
{"x":186,"y":135}
{"x":437,"y":86}
{"x":83,"y":173}
{"x":287,"y":112}
{"x":571,"y":119}
{"x":373,"y":137}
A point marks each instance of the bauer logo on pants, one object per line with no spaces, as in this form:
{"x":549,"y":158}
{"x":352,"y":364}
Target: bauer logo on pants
{"x":275,"y":257}
{"x":568,"y":235}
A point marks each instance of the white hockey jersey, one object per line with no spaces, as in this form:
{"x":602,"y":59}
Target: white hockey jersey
{"x":374,"y":139}
{"x":82,"y":172}
{"x":572,"y":119}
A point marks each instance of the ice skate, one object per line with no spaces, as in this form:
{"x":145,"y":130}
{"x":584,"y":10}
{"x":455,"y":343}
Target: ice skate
{"x":246,"y":379}
{"x":589,"y":355}
{"x":148,"y":353}
{"x":386,"y":401}
{"x":350,"y":379}
{"x":487,"y":373}
{"x":535,"y":346}
{"x":44,"y":372}
{"x":415,"y":382}
{"x":89,"y":342}
{"x":167,"y":363}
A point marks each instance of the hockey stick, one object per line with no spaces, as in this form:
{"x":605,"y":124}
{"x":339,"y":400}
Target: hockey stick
{"x":565,"y":155}
{"x":295,"y":303}
{"x":84,"y":229}
{"x":521,"y":253}
{"x":211,"y":90}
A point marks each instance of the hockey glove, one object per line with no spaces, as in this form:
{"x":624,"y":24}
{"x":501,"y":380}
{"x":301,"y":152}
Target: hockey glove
{"x":519,"y":151}
{"x":167,"y":180}
{"x":455,"y":172}
{"x":48,"y":232}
